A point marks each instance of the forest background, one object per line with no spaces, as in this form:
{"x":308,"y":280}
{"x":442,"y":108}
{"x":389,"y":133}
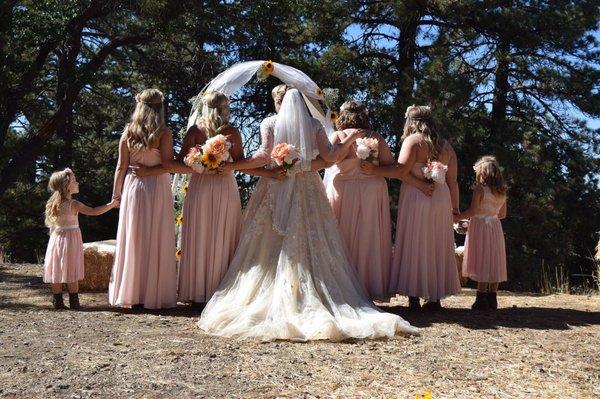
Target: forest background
{"x":516,"y":79}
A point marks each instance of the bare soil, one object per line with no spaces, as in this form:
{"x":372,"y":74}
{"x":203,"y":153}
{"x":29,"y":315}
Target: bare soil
{"x":533,"y":347}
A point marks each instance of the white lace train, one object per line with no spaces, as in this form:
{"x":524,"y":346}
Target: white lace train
{"x":297,"y":286}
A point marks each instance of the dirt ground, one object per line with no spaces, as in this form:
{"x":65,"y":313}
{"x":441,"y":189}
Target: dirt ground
{"x":533,"y":347}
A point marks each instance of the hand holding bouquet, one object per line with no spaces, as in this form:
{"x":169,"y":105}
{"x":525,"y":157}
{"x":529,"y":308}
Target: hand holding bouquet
{"x":285,"y":155}
{"x":367,"y":149}
{"x":435,"y":171}
{"x":210,"y":155}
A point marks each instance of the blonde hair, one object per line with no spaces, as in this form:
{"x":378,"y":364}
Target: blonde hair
{"x":353,"y":114}
{"x":279,"y":91}
{"x":58,"y":185}
{"x":215,"y":112}
{"x":418,"y":120}
{"x":143,"y":131}
{"x":488,"y":173}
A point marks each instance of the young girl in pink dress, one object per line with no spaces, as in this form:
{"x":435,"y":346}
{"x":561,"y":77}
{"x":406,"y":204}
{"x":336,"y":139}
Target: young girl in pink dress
{"x":144,"y":272}
{"x":63,"y":263}
{"x":484,"y":259}
{"x":423,"y":265}
{"x":361,"y":204}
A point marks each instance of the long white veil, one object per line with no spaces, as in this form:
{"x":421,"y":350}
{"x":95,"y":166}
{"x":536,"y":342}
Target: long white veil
{"x":294,"y":126}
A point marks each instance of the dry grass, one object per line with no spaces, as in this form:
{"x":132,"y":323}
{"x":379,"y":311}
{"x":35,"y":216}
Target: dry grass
{"x":534,"y":347}
{"x":554,"y":281}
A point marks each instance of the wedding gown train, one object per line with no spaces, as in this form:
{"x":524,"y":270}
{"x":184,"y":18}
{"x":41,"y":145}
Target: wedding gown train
{"x":296,"y":284}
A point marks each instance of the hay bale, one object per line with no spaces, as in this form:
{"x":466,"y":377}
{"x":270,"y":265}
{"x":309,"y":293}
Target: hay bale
{"x":98,"y":258}
{"x":458,"y":254}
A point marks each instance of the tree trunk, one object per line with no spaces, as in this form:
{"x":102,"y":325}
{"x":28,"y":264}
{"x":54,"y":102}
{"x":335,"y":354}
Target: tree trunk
{"x":407,"y":49}
{"x":500,"y":100}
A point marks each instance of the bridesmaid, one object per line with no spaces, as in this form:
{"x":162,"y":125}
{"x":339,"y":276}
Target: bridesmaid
{"x":361,"y":204}
{"x":423,"y":264}
{"x":212,"y":209}
{"x":144,"y":273}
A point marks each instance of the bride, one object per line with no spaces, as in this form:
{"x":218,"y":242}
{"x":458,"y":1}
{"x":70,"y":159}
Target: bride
{"x":290,"y":278}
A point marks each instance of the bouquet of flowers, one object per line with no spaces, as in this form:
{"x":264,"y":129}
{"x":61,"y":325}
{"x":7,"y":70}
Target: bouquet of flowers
{"x":367,"y":149}
{"x":435,"y":171}
{"x":210,"y":155}
{"x":461,"y":227}
{"x":285,"y":155}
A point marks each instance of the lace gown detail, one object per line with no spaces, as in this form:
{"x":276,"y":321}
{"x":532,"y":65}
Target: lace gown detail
{"x":298,"y":285}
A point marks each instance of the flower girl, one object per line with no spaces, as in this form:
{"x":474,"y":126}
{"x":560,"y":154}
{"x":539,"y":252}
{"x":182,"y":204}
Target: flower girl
{"x":485,"y":255}
{"x":64,"y":256}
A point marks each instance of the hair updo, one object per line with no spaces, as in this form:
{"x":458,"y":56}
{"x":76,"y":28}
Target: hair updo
{"x":353,"y":115}
{"x":279,"y":91}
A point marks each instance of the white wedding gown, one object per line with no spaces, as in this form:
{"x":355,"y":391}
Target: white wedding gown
{"x":298,"y":285}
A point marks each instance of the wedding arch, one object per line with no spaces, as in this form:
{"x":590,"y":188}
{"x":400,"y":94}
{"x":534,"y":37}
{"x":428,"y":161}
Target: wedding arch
{"x":236,"y":76}
{"x":232,"y":79}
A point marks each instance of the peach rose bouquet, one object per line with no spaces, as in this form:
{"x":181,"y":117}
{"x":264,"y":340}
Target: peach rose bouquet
{"x":210,"y":155}
{"x":285,"y":155}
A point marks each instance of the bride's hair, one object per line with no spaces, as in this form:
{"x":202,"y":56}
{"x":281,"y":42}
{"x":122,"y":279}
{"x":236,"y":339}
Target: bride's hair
{"x":279,"y":91}
{"x":418,"y":120}
{"x":58,"y":185}
{"x":146,"y":121}
{"x":215,"y":112}
{"x":353,"y":114}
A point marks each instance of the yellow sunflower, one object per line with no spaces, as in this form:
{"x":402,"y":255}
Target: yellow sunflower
{"x":179,"y":219}
{"x":334,"y":116}
{"x":319,"y":91}
{"x":268,"y":67}
{"x":178,"y":254}
{"x":186,"y":187}
{"x":211,"y":161}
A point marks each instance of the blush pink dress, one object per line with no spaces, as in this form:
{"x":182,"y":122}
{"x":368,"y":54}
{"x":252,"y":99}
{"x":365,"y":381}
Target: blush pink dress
{"x":485,"y":253}
{"x":361,"y":205}
{"x":63,"y":262}
{"x":423,"y":264}
{"x":211,"y":227}
{"x":144,"y":270}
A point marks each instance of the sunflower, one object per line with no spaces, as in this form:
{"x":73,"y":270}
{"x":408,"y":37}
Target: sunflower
{"x":211,"y":161}
{"x":426,"y":395}
{"x":178,"y":254}
{"x":268,"y":67}
{"x":319,"y":92}
{"x":186,"y":187}
{"x":179,"y":219}
{"x":334,"y":116}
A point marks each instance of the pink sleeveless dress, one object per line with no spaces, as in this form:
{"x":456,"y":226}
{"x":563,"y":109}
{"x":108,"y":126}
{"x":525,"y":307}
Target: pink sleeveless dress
{"x":423,"y":264}
{"x":211,"y":227}
{"x":485,"y":254}
{"x":63,"y":262}
{"x":361,"y":205}
{"x":144,"y":270}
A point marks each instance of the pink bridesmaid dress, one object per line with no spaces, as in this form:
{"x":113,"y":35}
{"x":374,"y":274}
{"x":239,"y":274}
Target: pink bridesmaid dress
{"x":211,"y":227}
{"x":423,"y":264}
{"x":63,"y":262}
{"x":361,"y":205}
{"x":485,"y":254}
{"x":144,"y":271}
